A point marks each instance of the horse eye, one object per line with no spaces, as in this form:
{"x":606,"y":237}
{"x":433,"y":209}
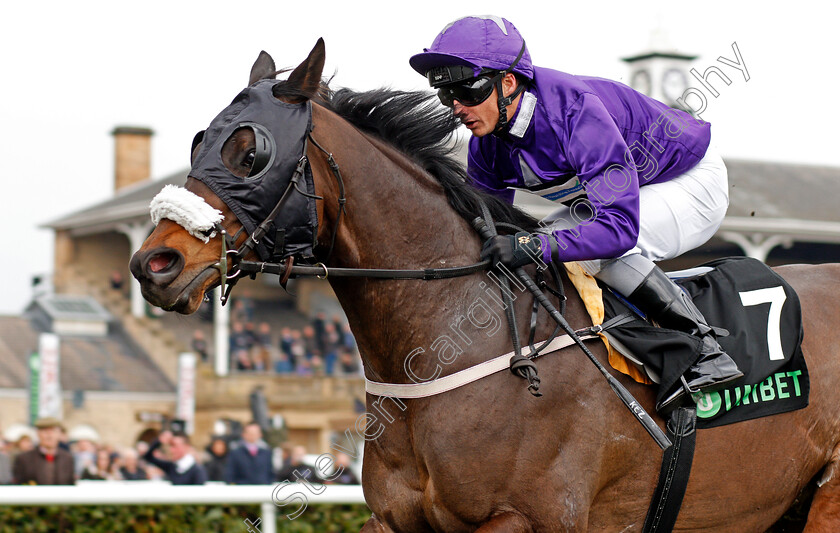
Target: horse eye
{"x":250,"y":157}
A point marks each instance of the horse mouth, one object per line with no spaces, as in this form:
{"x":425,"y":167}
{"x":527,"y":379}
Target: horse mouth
{"x":188,"y":299}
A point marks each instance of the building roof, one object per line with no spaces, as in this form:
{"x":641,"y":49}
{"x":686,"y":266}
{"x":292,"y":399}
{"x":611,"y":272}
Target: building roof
{"x":792,"y":196}
{"x":71,"y":307}
{"x":784,"y":202}
{"x":768,"y":197}
{"x":652,"y":54}
{"x":780,"y":190}
{"x":109,"y":363}
{"x":127,"y":205}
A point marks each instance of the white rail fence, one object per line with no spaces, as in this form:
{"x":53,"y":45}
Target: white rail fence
{"x":292,"y":496}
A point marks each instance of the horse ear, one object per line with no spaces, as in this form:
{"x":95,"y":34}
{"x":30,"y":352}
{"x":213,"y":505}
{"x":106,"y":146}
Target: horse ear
{"x":263,"y":68}
{"x":307,"y":75}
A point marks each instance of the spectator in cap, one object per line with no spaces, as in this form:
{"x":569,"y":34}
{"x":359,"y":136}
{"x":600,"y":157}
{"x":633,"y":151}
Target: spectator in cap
{"x":84,"y":443}
{"x":47,"y":464}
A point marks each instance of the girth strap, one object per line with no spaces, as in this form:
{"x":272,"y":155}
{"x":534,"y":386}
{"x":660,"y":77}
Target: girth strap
{"x":460,"y":378}
{"x":481,"y":370}
{"x":673,"y":476}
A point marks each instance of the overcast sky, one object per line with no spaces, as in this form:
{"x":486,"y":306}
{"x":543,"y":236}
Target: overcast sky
{"x":72,"y":71}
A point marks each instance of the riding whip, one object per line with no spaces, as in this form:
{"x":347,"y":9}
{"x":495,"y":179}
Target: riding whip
{"x":626,"y":398}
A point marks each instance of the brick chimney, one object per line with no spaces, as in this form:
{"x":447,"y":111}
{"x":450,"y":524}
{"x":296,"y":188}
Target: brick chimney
{"x":132,"y":155}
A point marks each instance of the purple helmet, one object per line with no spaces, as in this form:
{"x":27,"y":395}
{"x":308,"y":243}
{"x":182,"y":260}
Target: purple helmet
{"x":477,"y":43}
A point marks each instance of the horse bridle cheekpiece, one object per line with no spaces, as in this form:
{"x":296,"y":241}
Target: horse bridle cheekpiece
{"x":279,"y":168}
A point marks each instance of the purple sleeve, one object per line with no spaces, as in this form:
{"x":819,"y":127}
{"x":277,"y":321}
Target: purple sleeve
{"x":608,"y":219}
{"x":482,"y":174}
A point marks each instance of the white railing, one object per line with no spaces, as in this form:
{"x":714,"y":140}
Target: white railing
{"x":163,"y":493}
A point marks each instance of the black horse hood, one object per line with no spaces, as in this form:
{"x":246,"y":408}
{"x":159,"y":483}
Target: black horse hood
{"x":280,"y":130}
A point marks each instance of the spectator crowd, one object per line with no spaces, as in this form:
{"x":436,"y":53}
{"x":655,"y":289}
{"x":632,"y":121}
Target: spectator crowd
{"x":51,"y":458}
{"x":46,"y":455}
{"x":322,"y":347}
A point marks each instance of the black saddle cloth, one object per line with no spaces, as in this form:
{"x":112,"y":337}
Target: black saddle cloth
{"x":760,"y":310}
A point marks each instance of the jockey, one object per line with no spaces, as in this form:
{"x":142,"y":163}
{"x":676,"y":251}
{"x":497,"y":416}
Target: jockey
{"x":637,"y":180}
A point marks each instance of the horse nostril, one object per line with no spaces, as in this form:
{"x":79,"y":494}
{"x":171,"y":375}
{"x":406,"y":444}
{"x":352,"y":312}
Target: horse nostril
{"x":160,"y":266}
{"x":160,"y":263}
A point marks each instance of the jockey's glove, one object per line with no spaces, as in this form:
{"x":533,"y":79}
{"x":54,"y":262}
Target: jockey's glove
{"x":513,"y":251}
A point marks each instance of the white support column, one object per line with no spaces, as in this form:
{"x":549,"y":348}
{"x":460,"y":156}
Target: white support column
{"x":269,"y":517}
{"x":756,"y":245}
{"x":221,"y":334}
{"x":136,"y":233}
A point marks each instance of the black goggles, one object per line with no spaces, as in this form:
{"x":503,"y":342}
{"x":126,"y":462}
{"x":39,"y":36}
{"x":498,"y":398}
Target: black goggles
{"x":469,"y":92}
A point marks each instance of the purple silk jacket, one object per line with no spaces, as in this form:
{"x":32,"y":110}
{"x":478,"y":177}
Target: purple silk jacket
{"x":589,"y":143}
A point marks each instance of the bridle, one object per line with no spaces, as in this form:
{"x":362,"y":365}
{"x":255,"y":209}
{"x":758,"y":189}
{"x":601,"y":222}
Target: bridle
{"x":232,"y":265}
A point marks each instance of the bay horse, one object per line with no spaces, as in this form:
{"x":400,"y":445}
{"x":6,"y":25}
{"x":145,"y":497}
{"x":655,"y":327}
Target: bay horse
{"x":490,"y":456}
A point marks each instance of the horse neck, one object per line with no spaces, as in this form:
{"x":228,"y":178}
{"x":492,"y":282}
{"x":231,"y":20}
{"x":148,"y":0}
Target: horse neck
{"x":398,"y":217}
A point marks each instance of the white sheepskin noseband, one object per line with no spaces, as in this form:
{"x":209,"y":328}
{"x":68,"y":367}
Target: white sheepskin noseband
{"x":186,"y":209}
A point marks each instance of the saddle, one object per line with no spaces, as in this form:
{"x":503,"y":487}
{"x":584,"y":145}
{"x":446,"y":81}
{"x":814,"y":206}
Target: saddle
{"x":763,"y":333}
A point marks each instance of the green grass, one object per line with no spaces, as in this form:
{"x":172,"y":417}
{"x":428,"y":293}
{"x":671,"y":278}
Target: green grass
{"x":322,"y":518}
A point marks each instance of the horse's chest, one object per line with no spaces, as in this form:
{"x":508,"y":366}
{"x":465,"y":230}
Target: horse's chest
{"x":432,"y":480}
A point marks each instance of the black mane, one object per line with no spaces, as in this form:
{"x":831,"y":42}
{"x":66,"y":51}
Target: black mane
{"x":417,"y":125}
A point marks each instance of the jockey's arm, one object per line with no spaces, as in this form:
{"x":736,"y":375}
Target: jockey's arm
{"x":608,"y":218}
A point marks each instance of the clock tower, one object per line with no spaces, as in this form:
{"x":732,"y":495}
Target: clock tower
{"x":662,"y":75}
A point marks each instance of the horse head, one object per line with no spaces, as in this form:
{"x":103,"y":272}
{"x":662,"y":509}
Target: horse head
{"x":251,"y":156}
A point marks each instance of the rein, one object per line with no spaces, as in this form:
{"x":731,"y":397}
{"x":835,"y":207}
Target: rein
{"x":233,"y":267}
{"x":321,"y":271}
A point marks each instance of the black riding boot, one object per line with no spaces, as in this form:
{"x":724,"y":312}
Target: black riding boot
{"x":666,"y":303}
